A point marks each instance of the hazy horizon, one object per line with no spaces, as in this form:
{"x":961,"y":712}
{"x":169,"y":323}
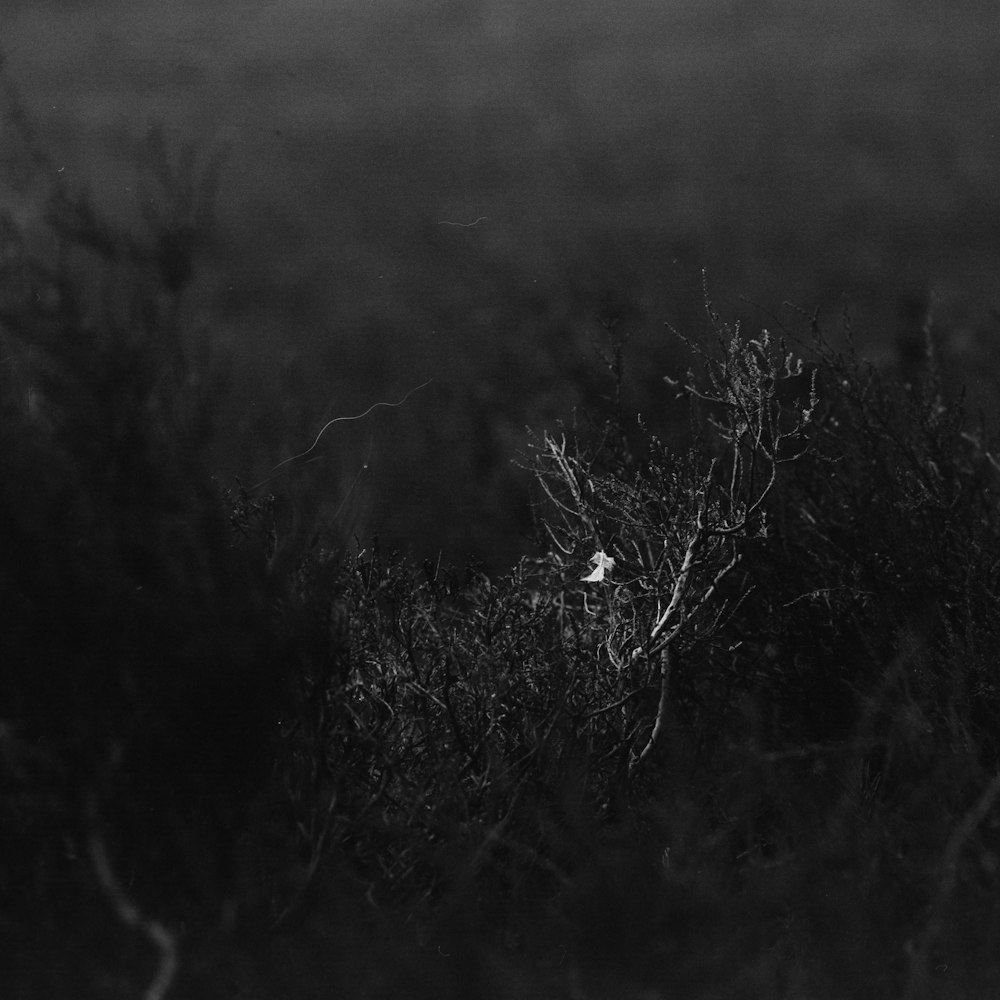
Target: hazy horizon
{"x":464,"y":191}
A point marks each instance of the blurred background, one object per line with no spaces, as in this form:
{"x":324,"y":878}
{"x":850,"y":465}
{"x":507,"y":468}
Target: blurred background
{"x":473,"y":192}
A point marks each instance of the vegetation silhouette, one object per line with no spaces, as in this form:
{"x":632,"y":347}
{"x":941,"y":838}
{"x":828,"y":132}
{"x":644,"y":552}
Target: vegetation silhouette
{"x":731,"y":729}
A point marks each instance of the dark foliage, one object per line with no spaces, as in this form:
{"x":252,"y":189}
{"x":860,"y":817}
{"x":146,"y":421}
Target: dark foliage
{"x":730,"y":732}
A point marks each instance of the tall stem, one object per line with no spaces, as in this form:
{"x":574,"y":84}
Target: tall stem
{"x":658,"y":734}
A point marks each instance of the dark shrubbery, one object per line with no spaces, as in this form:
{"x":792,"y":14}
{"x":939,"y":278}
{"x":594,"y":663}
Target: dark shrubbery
{"x":139,"y":674}
{"x":730,"y":732}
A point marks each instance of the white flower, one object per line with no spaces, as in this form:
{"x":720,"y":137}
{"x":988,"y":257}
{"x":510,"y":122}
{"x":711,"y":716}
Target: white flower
{"x":602,"y":563}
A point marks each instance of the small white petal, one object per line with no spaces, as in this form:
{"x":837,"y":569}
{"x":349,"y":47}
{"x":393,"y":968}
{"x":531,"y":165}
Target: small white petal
{"x":602,"y":563}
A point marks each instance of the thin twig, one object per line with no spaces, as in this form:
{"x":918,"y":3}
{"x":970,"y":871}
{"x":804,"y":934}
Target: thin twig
{"x":662,"y":711}
{"x":337,"y":420}
{"x":466,"y":225}
{"x":129,"y":913}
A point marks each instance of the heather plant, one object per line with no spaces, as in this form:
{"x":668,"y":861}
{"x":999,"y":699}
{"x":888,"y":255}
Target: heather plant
{"x":701,"y":712}
{"x":729,"y":732}
{"x":668,"y":534}
{"x":900,"y":528}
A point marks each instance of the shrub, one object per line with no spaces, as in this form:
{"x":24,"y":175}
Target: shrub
{"x":138,"y":681}
{"x":731,"y":731}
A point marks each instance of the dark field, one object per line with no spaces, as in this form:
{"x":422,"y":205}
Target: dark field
{"x":694,"y":697}
{"x":824,"y":154}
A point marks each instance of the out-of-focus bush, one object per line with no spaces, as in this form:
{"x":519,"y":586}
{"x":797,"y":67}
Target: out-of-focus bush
{"x":138,"y":679}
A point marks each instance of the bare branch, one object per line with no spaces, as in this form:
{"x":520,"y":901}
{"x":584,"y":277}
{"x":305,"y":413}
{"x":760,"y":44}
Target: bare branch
{"x":128,"y":911}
